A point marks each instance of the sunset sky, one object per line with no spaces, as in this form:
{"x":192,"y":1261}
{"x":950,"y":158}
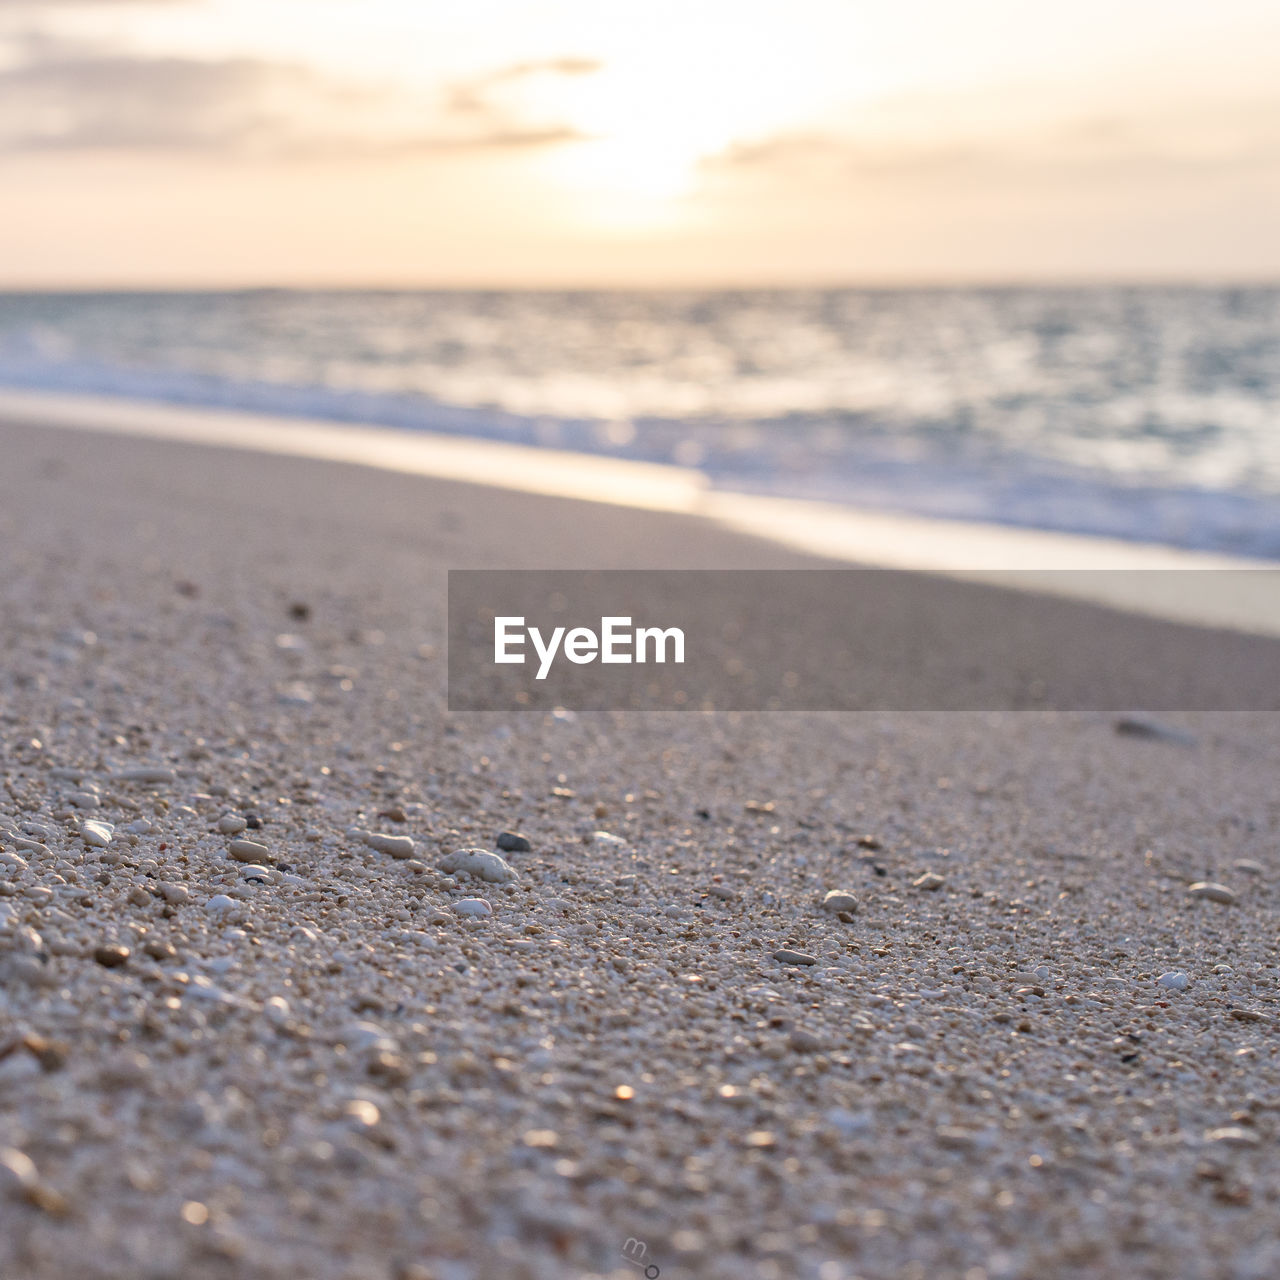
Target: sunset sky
{"x":579,"y":142}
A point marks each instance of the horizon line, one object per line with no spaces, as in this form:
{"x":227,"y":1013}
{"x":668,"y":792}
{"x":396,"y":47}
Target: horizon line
{"x":1190,"y":280}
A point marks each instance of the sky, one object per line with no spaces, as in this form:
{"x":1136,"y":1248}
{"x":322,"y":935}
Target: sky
{"x":176,"y":143}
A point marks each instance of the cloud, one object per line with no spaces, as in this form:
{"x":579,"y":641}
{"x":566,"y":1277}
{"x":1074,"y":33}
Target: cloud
{"x":476,"y":95}
{"x":1211,"y":138}
{"x":63,"y":95}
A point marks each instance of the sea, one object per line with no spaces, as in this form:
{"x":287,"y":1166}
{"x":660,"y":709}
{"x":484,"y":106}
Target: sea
{"x":1138,"y":412}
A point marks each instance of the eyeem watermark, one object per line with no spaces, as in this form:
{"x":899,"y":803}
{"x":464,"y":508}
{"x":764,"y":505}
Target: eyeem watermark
{"x":615,"y":642}
{"x":859,"y":640}
{"x":636,"y":1252}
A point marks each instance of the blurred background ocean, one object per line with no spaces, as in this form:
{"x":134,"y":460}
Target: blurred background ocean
{"x":1148,"y":413}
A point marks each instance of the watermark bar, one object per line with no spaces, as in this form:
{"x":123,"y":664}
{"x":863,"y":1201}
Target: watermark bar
{"x":853,"y":640}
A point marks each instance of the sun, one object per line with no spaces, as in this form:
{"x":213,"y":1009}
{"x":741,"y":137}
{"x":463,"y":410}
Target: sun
{"x":651,"y":116}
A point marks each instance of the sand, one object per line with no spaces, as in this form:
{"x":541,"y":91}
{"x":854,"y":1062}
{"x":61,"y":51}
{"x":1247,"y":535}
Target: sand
{"x":314,"y":1065}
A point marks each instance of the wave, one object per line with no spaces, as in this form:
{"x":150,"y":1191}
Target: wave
{"x":858,"y":459}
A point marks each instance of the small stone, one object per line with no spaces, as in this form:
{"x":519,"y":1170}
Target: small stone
{"x":84,"y":799}
{"x":785,"y":956}
{"x":513,"y":842}
{"x":97,"y":835}
{"x":50,"y":1054}
{"x":219,"y":902}
{"x":17,"y":1172}
{"x":231,"y":824}
{"x":175,"y":894}
{"x":491,"y":867}
{"x":366,"y":1037}
{"x":295,"y":694}
{"x":139,"y":896}
{"x":839,"y":900}
{"x":1233,"y":1136}
{"x":1212,"y":892}
{"x":931,"y":880}
{"x":111,"y":957}
{"x":1247,"y":1015}
{"x":1175,"y":981}
{"x":802,"y":1040}
{"x":396,"y":846}
{"x":1153,"y":730}
{"x":248,"y":851}
{"x":362,"y":1113}
{"x":722,"y":891}
{"x":607,"y":838}
{"x":1248,"y":867}
{"x":473,"y":907}
{"x":276,"y":1010}
{"x":157,"y":949}
{"x":389,"y":1068}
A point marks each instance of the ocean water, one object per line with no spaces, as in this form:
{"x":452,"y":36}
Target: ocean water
{"x":1147,"y":413}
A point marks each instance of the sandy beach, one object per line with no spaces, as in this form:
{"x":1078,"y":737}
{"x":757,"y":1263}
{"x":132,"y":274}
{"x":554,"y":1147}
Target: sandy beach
{"x":1034,"y":1035}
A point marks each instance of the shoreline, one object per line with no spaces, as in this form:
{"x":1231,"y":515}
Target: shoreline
{"x":1133,"y":577}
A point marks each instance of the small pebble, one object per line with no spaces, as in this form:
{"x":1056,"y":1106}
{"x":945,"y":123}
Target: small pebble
{"x":219,"y":902}
{"x":97,"y":835}
{"x":111,"y":957}
{"x":1175,"y":981}
{"x":491,"y":867}
{"x":1211,"y":891}
{"x":231,"y":824}
{"x":513,"y":842}
{"x":396,"y":846}
{"x":785,"y":956}
{"x":17,"y":1172}
{"x":803,"y":1040}
{"x":1140,"y":727}
{"x":930,"y":880}
{"x":248,"y":851}
{"x":1233,"y":1136}
{"x":473,"y":907}
{"x":276,"y":1010}
{"x":839,"y":900}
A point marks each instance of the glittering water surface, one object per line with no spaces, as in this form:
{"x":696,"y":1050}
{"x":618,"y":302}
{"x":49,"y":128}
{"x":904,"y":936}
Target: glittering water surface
{"x":1149,"y":413}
